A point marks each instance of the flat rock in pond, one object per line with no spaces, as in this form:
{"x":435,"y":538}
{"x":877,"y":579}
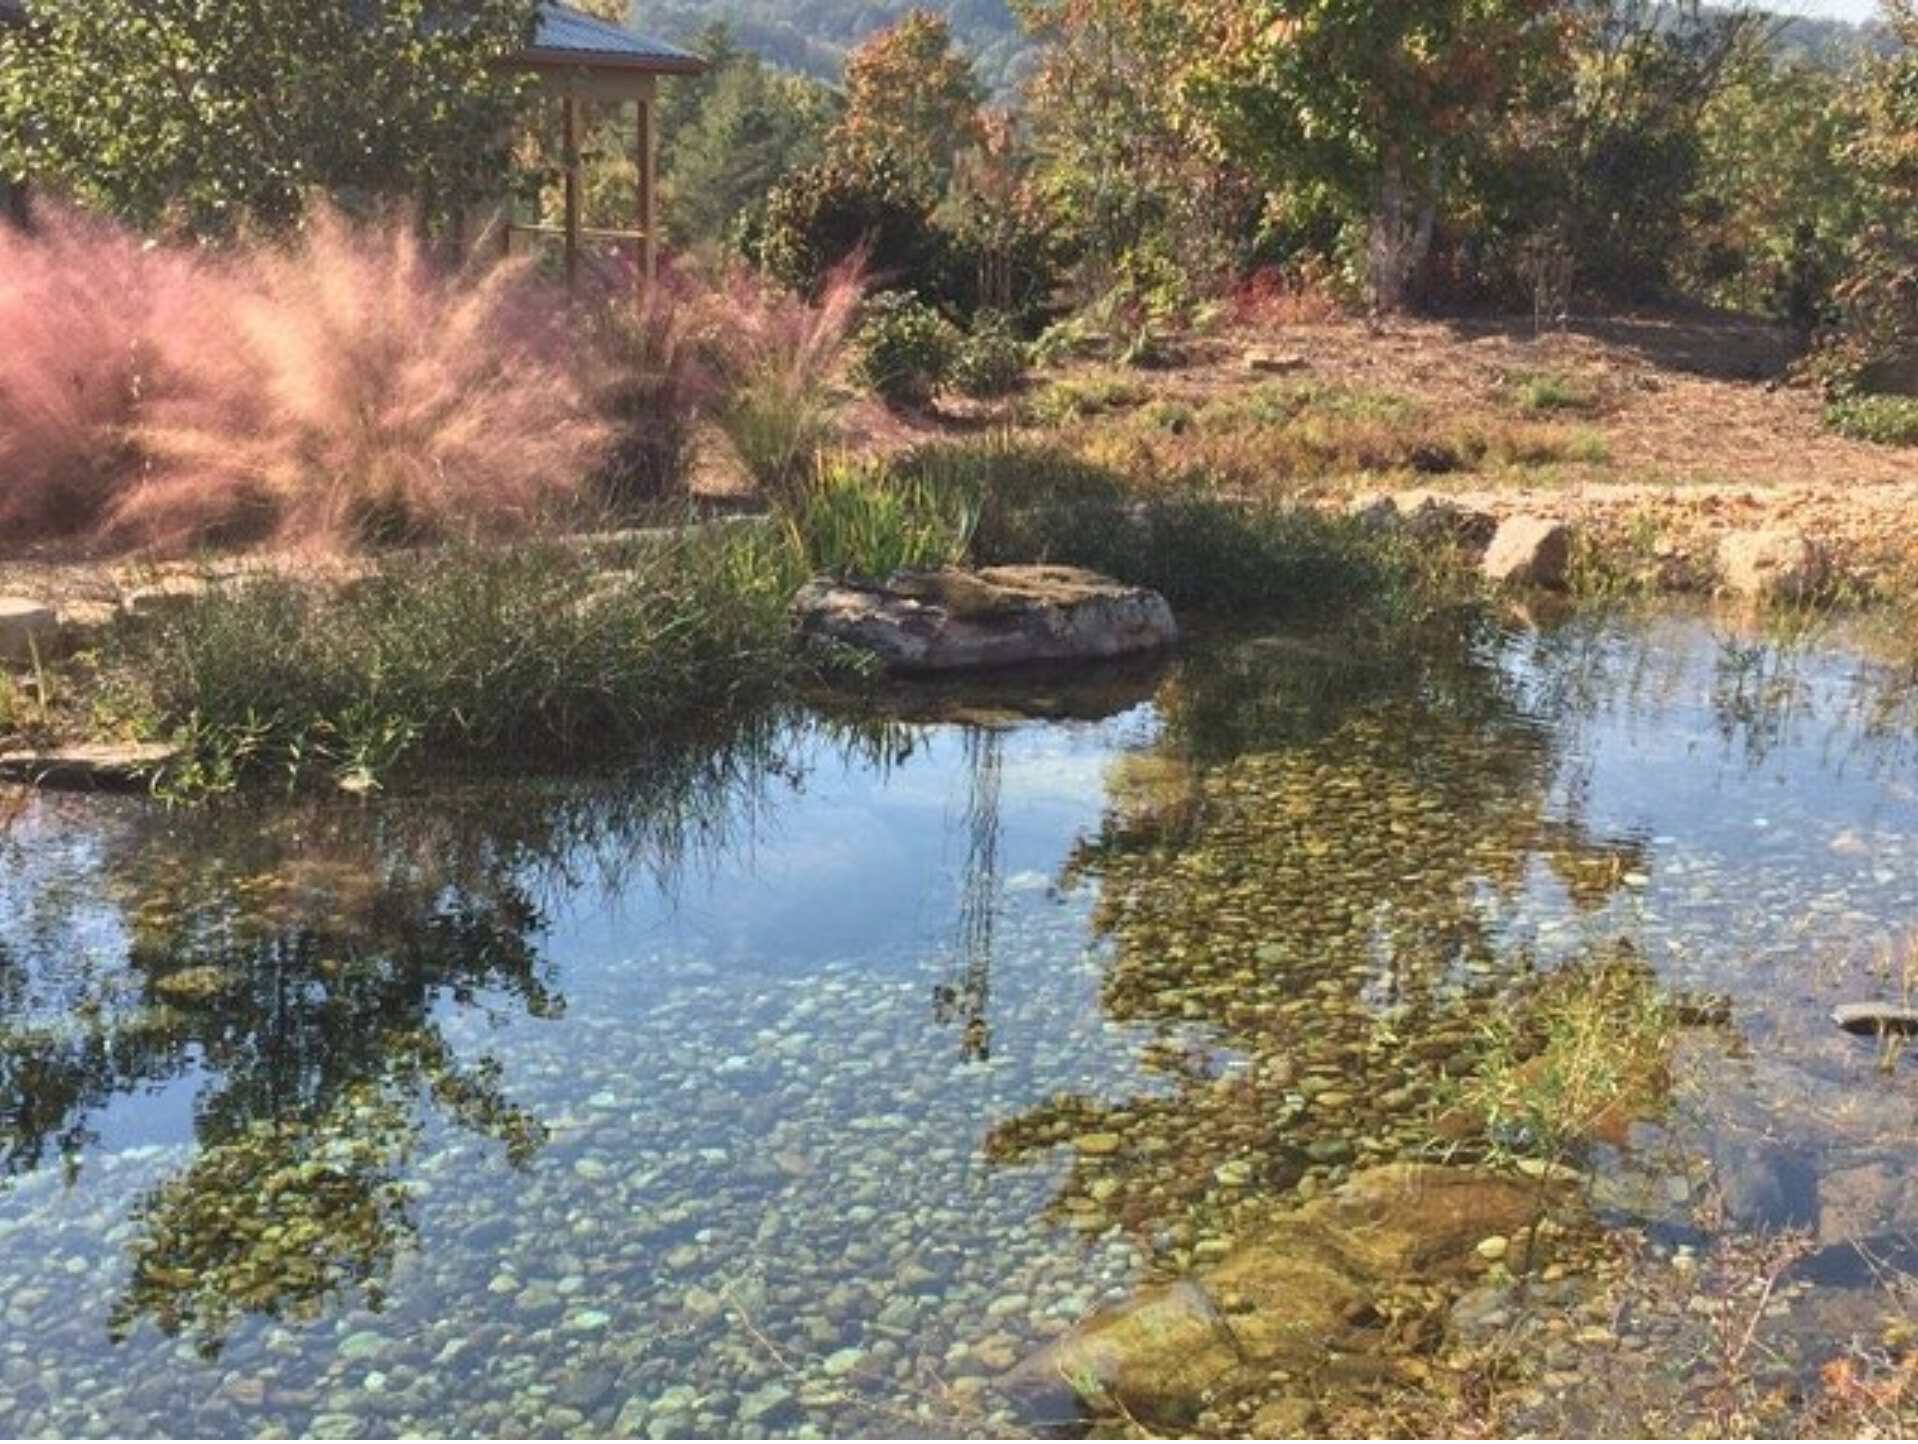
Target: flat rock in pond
{"x":99,"y":765}
{"x":1873,"y":1020}
{"x":956,"y":621}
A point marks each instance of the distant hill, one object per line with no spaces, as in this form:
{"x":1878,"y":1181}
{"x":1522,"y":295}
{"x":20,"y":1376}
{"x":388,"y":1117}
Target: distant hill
{"x":813,"y":36}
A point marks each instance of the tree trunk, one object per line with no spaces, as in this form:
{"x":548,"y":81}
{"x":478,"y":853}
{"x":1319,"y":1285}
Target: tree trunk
{"x":1400,"y":240}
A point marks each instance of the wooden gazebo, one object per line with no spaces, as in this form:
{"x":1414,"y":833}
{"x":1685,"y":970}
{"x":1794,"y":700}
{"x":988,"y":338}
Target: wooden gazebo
{"x":580,"y":60}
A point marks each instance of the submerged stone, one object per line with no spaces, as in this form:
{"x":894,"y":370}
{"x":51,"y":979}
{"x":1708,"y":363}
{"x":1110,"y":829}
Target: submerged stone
{"x":1300,"y":1286}
{"x":1871,"y":1020}
{"x":104,"y":765}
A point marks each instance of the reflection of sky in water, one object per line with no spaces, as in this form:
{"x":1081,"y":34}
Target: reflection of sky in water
{"x":760,"y":1122}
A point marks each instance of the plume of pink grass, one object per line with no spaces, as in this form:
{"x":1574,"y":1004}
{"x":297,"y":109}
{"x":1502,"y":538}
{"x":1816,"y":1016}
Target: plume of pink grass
{"x":78,"y":301}
{"x":359,"y":391}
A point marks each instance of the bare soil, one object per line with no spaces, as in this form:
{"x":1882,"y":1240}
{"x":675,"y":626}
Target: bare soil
{"x":1704,"y":433}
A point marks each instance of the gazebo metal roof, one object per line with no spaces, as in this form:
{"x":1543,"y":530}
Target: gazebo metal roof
{"x":572,"y":37}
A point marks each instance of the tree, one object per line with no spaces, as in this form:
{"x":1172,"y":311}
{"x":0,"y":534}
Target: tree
{"x":1879,"y":294}
{"x":733,"y":135}
{"x":1120,"y":166}
{"x":1628,"y":136}
{"x":1366,"y":102}
{"x":1780,"y":201}
{"x":213,"y":117}
{"x":911,"y":96}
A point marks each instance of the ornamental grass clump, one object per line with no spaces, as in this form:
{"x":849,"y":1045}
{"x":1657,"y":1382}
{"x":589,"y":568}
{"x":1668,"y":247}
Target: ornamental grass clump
{"x":866,"y":519}
{"x":780,"y":356}
{"x":81,"y":304}
{"x":369,"y":395}
{"x":345,"y":388}
{"x":528,"y":656}
{"x":654,"y":375}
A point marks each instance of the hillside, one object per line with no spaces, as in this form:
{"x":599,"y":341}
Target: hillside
{"x":813,"y":36}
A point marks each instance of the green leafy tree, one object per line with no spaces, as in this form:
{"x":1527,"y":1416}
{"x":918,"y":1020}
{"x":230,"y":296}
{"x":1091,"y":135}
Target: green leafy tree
{"x":1879,"y":294}
{"x":1779,"y":200}
{"x":849,"y":208}
{"x":214,"y":117}
{"x":733,"y":136}
{"x":1121,"y":168}
{"x":1366,"y":103}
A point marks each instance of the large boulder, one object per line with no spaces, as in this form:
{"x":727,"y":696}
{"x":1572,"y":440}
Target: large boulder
{"x":956,"y":621}
{"x":28,"y":630}
{"x":1775,"y":564}
{"x":1530,"y":551}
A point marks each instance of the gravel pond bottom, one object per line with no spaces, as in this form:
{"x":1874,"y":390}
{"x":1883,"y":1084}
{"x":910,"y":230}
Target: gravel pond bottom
{"x":814,"y":1091}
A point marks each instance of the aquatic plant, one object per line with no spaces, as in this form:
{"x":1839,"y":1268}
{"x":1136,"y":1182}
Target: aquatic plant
{"x":537,"y":654}
{"x":861,"y":518}
{"x":1580,"y":1060}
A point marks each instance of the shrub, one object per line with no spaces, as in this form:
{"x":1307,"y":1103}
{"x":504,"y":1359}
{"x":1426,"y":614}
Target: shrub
{"x":906,"y":350}
{"x":778,"y":355}
{"x":368,"y":395}
{"x":992,"y":359}
{"x":861,"y":210}
{"x":1887,"y":420}
{"x":1271,"y":298}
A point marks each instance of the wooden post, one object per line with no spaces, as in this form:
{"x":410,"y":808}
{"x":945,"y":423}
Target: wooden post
{"x":648,"y":198}
{"x":571,"y":113}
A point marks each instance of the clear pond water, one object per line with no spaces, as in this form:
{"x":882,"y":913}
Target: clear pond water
{"x":810,"y":1091}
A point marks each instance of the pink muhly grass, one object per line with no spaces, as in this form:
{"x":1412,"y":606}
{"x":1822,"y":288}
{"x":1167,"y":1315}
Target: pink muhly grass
{"x":653,"y":375}
{"x":363,"y":393}
{"x":781,"y":355}
{"x":78,"y":300}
